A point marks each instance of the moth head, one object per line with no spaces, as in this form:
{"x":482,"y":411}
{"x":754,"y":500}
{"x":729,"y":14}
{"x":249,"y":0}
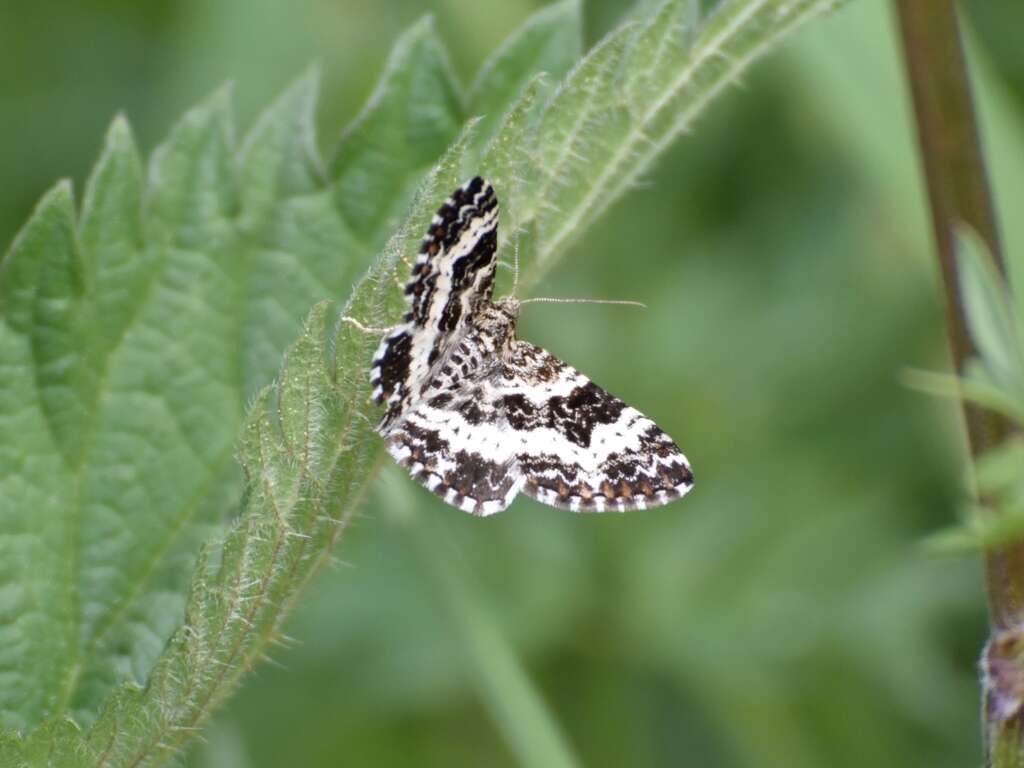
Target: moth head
{"x":499,"y":320}
{"x":509,"y":307}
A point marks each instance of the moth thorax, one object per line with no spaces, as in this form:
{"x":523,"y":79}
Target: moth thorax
{"x":509,"y":307}
{"x":498,"y":322}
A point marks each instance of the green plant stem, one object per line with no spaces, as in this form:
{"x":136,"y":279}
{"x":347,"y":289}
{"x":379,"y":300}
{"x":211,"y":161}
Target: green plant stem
{"x":958,"y":193}
{"x":517,"y":707}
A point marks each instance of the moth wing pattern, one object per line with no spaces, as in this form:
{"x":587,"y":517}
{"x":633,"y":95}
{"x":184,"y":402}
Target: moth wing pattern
{"x":478,"y":416}
{"x":455,"y":445}
{"x":580,"y":447}
{"x":538,"y":426}
{"x":453,"y":274}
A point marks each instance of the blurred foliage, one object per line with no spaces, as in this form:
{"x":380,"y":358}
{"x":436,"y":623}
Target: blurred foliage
{"x":783,"y":614}
{"x":994,"y":381}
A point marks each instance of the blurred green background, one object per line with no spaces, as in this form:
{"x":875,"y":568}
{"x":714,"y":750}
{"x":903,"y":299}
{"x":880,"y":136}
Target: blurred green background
{"x":783,"y":614}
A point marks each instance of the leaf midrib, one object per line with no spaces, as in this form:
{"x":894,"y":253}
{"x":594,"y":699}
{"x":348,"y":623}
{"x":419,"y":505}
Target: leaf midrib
{"x":78,"y":659}
{"x":83,"y":656}
{"x":201,"y":709}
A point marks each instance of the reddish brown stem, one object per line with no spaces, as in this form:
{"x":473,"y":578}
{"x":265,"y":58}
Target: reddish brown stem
{"x":958,"y":192}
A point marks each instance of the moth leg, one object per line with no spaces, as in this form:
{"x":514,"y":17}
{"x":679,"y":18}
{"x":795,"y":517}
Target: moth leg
{"x":398,"y":281}
{"x":408,"y":270}
{"x":367,"y":329}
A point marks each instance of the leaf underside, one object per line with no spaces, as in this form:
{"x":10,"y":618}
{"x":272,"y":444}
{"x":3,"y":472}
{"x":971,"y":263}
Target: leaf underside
{"x":140,"y":334}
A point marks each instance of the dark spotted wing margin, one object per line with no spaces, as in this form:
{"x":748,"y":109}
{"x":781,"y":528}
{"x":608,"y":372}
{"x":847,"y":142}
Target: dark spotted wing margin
{"x":581,"y":448}
{"x":453,"y":273}
{"x":468,"y":465}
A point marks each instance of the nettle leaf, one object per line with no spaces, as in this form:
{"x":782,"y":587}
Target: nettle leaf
{"x":414,"y":113}
{"x":133,"y":336}
{"x":632,"y":95}
{"x":551,"y":41}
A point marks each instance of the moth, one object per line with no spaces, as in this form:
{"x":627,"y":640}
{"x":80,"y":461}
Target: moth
{"x":477,"y":415}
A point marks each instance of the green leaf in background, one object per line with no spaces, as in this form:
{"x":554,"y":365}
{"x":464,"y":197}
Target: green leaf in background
{"x":994,"y":380}
{"x":37,"y":555}
{"x":133,"y":337}
{"x":414,"y":113}
{"x":991,"y":316}
{"x":551,"y":42}
{"x":976,"y":386}
{"x":635,"y":93}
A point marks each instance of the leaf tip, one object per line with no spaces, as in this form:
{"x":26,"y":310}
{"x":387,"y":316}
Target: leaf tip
{"x":215,"y":107}
{"x":422,"y":32}
{"x":571,"y":8}
{"x":309,"y":80}
{"x":302,"y":89}
{"x":211,"y":111}
{"x":291,"y":113}
{"x":60,"y":198}
{"x":222,"y":95}
{"x":118,"y":142}
{"x":424,"y":25}
{"x":120,"y":130}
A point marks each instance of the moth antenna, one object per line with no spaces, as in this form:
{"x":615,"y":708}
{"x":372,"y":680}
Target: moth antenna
{"x":547,"y":300}
{"x":367,"y":329}
{"x":515,"y":265}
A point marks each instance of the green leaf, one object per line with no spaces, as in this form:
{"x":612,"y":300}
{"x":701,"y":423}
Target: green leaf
{"x":994,"y":380}
{"x":292,"y":230}
{"x":41,"y":404}
{"x":507,"y":158}
{"x":990,"y":314}
{"x":414,"y":113}
{"x":111,"y":230}
{"x":986,"y":531}
{"x":132,"y":339}
{"x":279,"y":158}
{"x":974,"y":386}
{"x":192,"y":178}
{"x":62,"y":307}
{"x":643,"y":86}
{"x":997,"y":521}
{"x":582,"y":122}
{"x":999,"y":468}
{"x":307,"y":450}
{"x":550,"y":41}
